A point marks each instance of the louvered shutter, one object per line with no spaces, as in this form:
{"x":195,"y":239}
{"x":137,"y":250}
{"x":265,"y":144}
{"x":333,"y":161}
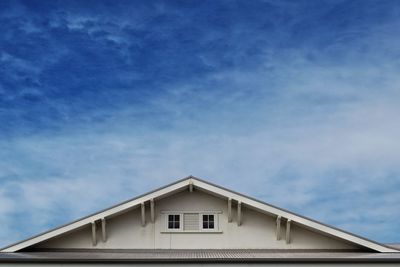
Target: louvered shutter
{"x":191,"y":221}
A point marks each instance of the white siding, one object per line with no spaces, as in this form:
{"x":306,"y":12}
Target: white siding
{"x":256,"y":232}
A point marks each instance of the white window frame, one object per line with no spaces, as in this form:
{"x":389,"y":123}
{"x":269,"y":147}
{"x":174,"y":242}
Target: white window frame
{"x":181,"y":226}
{"x":180,"y":222}
{"x":216,"y":223}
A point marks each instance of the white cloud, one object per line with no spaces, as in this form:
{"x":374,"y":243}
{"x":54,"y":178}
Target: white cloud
{"x":296,"y":149}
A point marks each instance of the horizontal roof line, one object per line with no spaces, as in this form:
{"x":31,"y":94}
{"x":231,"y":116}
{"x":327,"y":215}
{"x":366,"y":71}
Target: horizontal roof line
{"x":157,"y":250}
{"x":194,"y":255}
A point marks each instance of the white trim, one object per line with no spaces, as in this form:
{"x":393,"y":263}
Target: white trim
{"x":192,"y":232}
{"x":197,"y":183}
{"x":166,"y":219}
{"x":216,"y":222}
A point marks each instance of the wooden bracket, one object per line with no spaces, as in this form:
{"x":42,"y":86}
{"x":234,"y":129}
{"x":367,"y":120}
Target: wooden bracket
{"x":230,"y":210}
{"x":288,"y":231}
{"x":152,"y":215}
{"x":278,"y":228}
{"x":103,"y":230}
{"x":239,"y":213}
{"x":190,"y":186}
{"x":94,"y":237}
{"x":143,"y":214}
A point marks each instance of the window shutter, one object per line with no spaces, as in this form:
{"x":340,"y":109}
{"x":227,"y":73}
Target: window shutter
{"x":191,"y":221}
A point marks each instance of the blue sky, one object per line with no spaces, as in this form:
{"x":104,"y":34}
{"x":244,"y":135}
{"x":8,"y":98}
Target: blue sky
{"x":293,"y":102}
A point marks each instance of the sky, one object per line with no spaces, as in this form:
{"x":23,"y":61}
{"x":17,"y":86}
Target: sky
{"x":295,"y":103}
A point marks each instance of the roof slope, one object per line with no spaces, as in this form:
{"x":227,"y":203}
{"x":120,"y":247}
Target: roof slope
{"x":211,"y":188}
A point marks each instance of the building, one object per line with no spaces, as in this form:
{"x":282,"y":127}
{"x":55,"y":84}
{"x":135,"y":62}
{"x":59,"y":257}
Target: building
{"x":193,"y":221}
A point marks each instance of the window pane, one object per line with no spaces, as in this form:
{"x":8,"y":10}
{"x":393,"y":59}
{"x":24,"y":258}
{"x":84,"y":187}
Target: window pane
{"x":205,"y":218}
{"x":211,"y":225}
{"x":205,"y":225}
{"x":211,"y":218}
{"x":173,"y":221}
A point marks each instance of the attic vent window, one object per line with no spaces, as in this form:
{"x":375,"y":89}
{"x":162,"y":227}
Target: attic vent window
{"x":174,"y":221}
{"x":191,"y":221}
{"x":208,"y":221}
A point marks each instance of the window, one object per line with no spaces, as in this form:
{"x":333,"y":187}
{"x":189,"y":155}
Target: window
{"x":191,"y":221}
{"x":174,"y":221}
{"x":208,"y":221}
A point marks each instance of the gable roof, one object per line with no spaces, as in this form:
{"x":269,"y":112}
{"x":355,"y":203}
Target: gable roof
{"x":213,"y":189}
